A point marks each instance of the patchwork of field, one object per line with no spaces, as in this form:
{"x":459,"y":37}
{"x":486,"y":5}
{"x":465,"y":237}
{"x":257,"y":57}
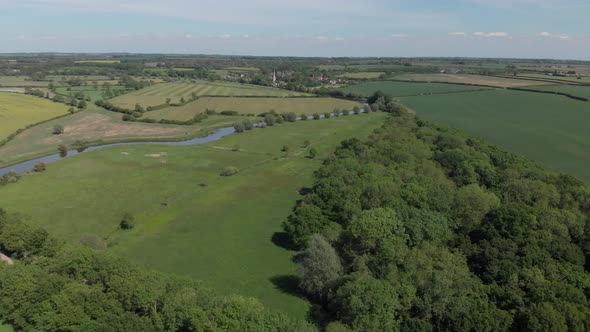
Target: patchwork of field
{"x":18,"y":111}
{"x":252,"y":106}
{"x":189,"y":220}
{"x":574,"y":90}
{"x":550,"y":129}
{"x":362,"y":75}
{"x":401,"y":89}
{"x":469,"y":79}
{"x":98,"y":61}
{"x":20,"y":81}
{"x":157,"y":94}
{"x":97,"y":125}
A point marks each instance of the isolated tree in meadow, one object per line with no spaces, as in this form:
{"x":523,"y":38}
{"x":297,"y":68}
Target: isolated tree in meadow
{"x":269,"y":119}
{"x":316,"y":116}
{"x":320,"y":266}
{"x":327,"y":115}
{"x":82,"y":104}
{"x":313,"y":153}
{"x":248,"y":125}
{"x":356,"y":110}
{"x":58,"y":129}
{"x":80,"y":145}
{"x":303,"y":116}
{"x":229,"y":171}
{"x":368,"y":108}
{"x":127,"y":222}
{"x":63,"y":150}
{"x":138,"y":107}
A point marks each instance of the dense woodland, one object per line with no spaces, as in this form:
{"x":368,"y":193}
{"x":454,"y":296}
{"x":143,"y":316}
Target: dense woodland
{"x":61,"y":287}
{"x":423,"y":228}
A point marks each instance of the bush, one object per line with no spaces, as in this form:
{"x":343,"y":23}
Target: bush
{"x":303,"y":116}
{"x":239,"y":127}
{"x":316,"y":116}
{"x":63,"y":150}
{"x":58,"y":129}
{"x":312,"y":153}
{"x":230,"y":113}
{"x":290,"y":117}
{"x":269,"y":119}
{"x":127,"y":222}
{"x":80,"y":145}
{"x":40,"y":167}
{"x":229,"y":171}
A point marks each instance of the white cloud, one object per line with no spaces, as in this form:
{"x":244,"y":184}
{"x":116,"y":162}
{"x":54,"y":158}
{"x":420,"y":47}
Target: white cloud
{"x":457,"y":34}
{"x":399,"y":36}
{"x":545,"y":34}
{"x":491,"y":34}
{"x":564,"y":37}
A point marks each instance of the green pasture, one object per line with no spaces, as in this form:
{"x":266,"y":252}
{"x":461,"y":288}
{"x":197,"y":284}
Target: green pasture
{"x":18,"y":111}
{"x":574,"y":90}
{"x":157,"y":94}
{"x":251,"y":105}
{"x":189,"y":220}
{"x":550,"y":129}
{"x":5,"y":328}
{"x":88,"y":90}
{"x":401,"y":89}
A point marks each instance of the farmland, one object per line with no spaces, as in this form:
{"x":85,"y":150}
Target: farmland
{"x":469,"y":79}
{"x":550,"y":129}
{"x":189,"y":220}
{"x":157,"y":94}
{"x":20,"y":81}
{"x":18,"y":111}
{"x":97,"y":125}
{"x":252,"y":105}
{"x":574,"y":90}
{"x":362,"y":75}
{"x":401,"y":89}
{"x":89,"y":91}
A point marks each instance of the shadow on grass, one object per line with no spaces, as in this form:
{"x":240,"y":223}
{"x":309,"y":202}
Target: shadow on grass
{"x":288,"y":284}
{"x":283,"y":240}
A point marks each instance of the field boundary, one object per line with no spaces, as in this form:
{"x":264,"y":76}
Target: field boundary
{"x":578,"y":98}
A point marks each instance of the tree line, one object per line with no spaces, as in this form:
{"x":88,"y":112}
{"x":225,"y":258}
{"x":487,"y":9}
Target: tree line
{"x":424,"y":228}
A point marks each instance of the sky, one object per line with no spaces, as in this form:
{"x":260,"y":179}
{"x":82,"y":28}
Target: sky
{"x":557,"y":29}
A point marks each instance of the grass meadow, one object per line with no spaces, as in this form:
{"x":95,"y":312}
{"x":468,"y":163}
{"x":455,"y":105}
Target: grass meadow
{"x":157,"y":94}
{"x":18,"y":111}
{"x":97,"y":125}
{"x":189,"y":220}
{"x":251,"y":105}
{"x":550,"y":129}
{"x":574,"y":90}
{"x":401,"y":89}
{"x":88,"y":90}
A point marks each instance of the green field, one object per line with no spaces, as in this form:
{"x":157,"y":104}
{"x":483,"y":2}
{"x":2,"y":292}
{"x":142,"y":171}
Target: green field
{"x":8,"y":81}
{"x":362,"y":75}
{"x":98,"y":61}
{"x":98,"y":125}
{"x":550,"y":129}
{"x":18,"y":111}
{"x":584,"y":79}
{"x":469,"y":79}
{"x":5,"y":328}
{"x":401,"y":89}
{"x":574,"y":90}
{"x":157,"y":94}
{"x":189,"y":220}
{"x":252,"y":105}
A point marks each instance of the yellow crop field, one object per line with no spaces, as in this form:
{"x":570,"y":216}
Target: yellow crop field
{"x":18,"y":111}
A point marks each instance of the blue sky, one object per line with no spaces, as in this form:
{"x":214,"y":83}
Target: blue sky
{"x":475,"y":28}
